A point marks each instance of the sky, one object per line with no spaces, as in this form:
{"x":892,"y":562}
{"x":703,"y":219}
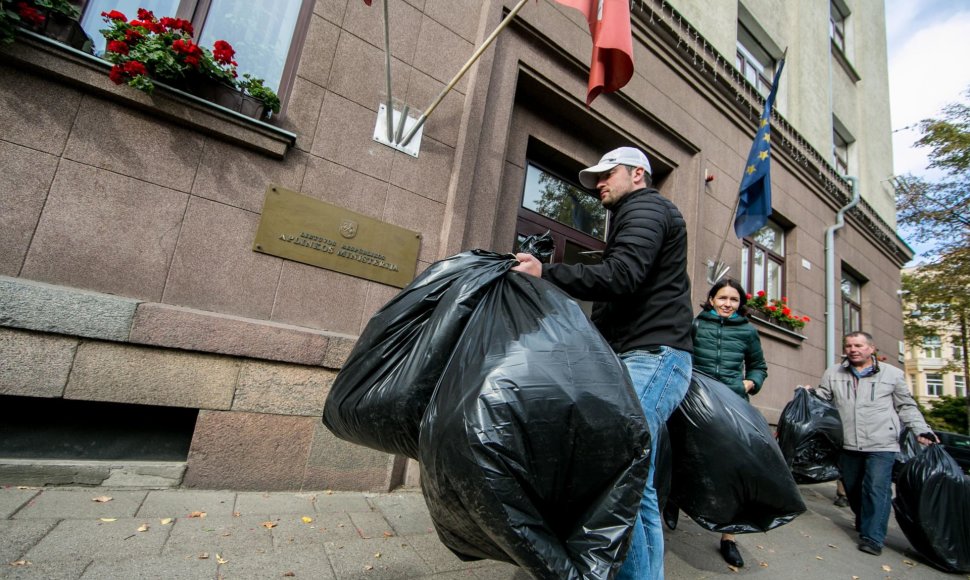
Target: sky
{"x":929,"y":67}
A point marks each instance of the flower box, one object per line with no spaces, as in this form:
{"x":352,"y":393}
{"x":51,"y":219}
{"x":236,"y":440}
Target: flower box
{"x":229,"y":97}
{"x":66,"y":30}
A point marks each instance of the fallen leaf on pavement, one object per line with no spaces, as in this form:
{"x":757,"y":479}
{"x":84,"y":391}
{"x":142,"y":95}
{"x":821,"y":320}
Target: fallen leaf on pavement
{"x":289,"y":574}
{"x":886,"y":568}
{"x":760,"y":547}
{"x":220,"y":559}
{"x":197,"y":515}
{"x":855,"y":578}
{"x":368,"y":567}
{"x":204,"y":556}
{"x":909,"y":562}
{"x":22,"y":487}
{"x":269,"y":525}
{"x":102,"y":498}
{"x":236,"y":514}
{"x":377,"y":555}
{"x":142,"y":528}
{"x":108,"y":519}
{"x":819,"y":558}
{"x":165,"y":521}
{"x":763,"y":564}
{"x":833,"y":546}
{"x":21,"y":563}
{"x":388,"y":534}
{"x":306,"y":519}
{"x":732,"y":568}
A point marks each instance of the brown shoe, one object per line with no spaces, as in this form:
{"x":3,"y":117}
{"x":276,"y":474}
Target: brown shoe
{"x":841,"y":501}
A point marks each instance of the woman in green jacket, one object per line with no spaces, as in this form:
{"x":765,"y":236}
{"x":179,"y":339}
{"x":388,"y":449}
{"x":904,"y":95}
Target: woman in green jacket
{"x":727,"y":347}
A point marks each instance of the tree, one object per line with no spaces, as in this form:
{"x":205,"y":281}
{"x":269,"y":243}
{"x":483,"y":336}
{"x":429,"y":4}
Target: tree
{"x":938,"y":213}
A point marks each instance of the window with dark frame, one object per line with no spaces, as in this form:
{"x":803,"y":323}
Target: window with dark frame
{"x":763,"y":261}
{"x":851,"y":303}
{"x":837,"y":18}
{"x":266,"y":34}
{"x":840,"y":153}
{"x":934,"y":384}
{"x":959,"y":386}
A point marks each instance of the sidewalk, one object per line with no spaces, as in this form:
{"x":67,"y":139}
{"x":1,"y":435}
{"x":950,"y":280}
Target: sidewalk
{"x":65,"y":533}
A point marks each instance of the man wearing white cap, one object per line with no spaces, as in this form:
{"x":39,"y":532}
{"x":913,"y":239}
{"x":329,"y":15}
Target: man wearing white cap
{"x":642,"y":307}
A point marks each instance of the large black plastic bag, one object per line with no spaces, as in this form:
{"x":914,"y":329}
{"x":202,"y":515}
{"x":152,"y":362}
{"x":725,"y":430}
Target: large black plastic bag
{"x":380,"y":395}
{"x":810,"y":437}
{"x":534,"y":449}
{"x":909,"y":447}
{"x":932,"y":506}
{"x":728,"y":473}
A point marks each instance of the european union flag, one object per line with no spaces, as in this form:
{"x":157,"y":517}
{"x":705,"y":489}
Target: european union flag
{"x":754,"y":203}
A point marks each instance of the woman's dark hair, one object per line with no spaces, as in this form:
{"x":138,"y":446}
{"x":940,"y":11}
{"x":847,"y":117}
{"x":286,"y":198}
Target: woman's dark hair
{"x":742,"y":310}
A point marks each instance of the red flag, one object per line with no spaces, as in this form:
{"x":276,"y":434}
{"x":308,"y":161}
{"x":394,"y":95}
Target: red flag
{"x":367,"y":2}
{"x":611,"y":66}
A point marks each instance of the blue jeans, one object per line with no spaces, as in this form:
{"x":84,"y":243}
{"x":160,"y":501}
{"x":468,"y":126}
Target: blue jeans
{"x":660,"y":380}
{"x":868,"y":485}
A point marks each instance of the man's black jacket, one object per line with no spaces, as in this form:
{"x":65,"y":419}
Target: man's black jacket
{"x":641,"y":288}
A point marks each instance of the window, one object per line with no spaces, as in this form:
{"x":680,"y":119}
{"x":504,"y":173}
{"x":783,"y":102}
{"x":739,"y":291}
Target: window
{"x":261,"y":31}
{"x":934,"y":384}
{"x":559,"y":200}
{"x":837,"y":16}
{"x":960,"y":385}
{"x":763,"y":261}
{"x":841,"y":140}
{"x":932,"y":347}
{"x":754,"y":62}
{"x":851,"y":304}
{"x":957,"y":353}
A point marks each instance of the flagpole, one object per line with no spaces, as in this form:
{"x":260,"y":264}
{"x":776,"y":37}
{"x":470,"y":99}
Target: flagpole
{"x":387,"y":69}
{"x":478,"y":53}
{"x":712,"y":276}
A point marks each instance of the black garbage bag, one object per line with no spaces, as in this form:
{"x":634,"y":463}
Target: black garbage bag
{"x":380,"y":395}
{"x":909,"y":447}
{"x":728,"y":473}
{"x":932,"y":507}
{"x":810,"y":437}
{"x":534,"y":449}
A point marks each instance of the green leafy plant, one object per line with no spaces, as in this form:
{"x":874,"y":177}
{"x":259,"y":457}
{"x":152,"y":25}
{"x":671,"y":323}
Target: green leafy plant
{"x":776,"y":309}
{"x":147,"y":48}
{"x":256,"y":88}
{"x":31,"y":14}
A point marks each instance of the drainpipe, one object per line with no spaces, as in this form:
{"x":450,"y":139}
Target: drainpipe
{"x":830,"y":295}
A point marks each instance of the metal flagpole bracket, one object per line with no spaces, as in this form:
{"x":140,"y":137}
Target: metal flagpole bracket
{"x":403,"y":122}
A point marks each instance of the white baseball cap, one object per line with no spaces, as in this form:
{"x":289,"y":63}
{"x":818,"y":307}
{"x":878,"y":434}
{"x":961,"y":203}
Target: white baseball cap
{"x":623,"y":156}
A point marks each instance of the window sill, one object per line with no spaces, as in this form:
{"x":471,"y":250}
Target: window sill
{"x":53,"y":59}
{"x":776,"y":331}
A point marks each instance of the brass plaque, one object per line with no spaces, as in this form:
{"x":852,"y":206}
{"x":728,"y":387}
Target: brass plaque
{"x":307,"y":230}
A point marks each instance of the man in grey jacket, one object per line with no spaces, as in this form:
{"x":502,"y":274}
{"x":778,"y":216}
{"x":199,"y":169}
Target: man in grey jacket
{"x":872,"y":400}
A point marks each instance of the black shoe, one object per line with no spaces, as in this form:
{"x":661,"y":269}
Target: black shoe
{"x":731,"y":555}
{"x":870,"y":547}
{"x":841,"y":501}
{"x":671,"y":514}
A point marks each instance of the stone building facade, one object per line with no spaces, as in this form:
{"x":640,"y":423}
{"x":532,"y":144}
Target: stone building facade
{"x":129,"y":285}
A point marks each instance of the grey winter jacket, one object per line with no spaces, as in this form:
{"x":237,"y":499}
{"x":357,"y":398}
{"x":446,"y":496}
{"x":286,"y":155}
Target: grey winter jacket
{"x":871,"y":410}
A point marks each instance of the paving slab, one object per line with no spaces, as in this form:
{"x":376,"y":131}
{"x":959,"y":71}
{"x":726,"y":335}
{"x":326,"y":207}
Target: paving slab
{"x":293,"y":562}
{"x":374,"y":559}
{"x":81,"y":504}
{"x":18,"y":536}
{"x":98,"y":540}
{"x":406,"y":512}
{"x":154,"y":568}
{"x":226,"y":536}
{"x":275,"y":504}
{"x":371,"y":525}
{"x":340,"y":502}
{"x":181,"y":503}
{"x":12,"y":499}
{"x":52,"y":570}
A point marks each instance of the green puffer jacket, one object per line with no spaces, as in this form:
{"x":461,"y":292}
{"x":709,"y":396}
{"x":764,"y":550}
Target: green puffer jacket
{"x":729,"y":350}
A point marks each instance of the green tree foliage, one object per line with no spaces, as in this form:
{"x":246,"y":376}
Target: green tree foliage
{"x":949,"y":413}
{"x":938,"y":213}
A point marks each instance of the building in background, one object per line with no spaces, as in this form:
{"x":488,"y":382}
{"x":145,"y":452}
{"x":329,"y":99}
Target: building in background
{"x":133,"y":295}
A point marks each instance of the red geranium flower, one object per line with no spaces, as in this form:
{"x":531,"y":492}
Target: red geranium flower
{"x":30,"y":14}
{"x":117,"y":74}
{"x":115,"y":15}
{"x":748,"y":296}
{"x":145,"y":14}
{"x":135,"y":68}
{"x":117,"y":46}
{"x":806,"y":319}
{"x":772,"y":308}
{"x":786,"y":311}
{"x":761,"y":292}
{"x":222,"y":51}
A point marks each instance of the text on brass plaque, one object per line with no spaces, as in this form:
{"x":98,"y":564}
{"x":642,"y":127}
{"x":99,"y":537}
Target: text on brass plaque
{"x":307,"y":230}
